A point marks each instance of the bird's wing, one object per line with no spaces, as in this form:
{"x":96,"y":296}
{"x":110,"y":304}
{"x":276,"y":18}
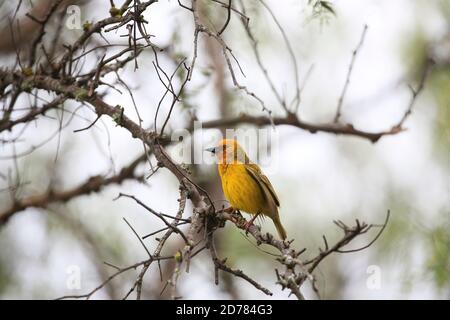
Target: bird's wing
{"x":256,"y":173}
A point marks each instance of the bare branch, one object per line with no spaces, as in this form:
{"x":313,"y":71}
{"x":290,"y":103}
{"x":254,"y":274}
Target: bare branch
{"x":93,"y":184}
{"x":349,"y":74}
{"x":228,"y":18}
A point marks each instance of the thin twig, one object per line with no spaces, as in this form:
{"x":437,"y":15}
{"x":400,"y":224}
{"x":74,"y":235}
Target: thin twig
{"x":349,"y":74}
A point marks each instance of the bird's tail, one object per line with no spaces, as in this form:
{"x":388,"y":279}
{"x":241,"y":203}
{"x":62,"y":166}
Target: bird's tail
{"x":280,"y":228}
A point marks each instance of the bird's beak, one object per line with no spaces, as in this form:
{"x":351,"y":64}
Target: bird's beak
{"x":212,"y":150}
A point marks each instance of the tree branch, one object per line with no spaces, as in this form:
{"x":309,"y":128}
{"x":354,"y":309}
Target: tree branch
{"x":93,"y":184}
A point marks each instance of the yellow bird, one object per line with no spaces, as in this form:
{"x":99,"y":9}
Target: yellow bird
{"x":244,"y":184}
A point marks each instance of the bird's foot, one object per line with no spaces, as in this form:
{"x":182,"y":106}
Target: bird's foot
{"x":247,"y":226}
{"x":237,"y":218}
{"x":249,"y":223}
{"x":228,"y":210}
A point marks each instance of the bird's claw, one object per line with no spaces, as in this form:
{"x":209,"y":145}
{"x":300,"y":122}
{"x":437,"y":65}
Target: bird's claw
{"x":249,"y":223}
{"x":229,"y":210}
{"x":234,"y":219}
{"x":247,"y":226}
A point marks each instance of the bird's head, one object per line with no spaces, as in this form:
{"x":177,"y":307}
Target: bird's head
{"x":229,"y":151}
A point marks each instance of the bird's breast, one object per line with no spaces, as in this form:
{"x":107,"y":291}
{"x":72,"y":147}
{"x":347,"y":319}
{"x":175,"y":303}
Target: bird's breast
{"x":241,"y":190}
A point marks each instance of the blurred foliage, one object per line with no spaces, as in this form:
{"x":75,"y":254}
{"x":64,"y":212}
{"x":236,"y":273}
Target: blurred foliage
{"x":4,"y":279}
{"x":438,"y":257}
{"x":415,"y":55}
{"x":440,"y":87}
{"x":408,"y":234}
{"x":321,"y":10}
{"x":415,"y":50}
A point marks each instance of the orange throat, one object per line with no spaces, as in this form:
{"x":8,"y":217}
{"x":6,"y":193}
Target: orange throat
{"x":222,"y":166}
